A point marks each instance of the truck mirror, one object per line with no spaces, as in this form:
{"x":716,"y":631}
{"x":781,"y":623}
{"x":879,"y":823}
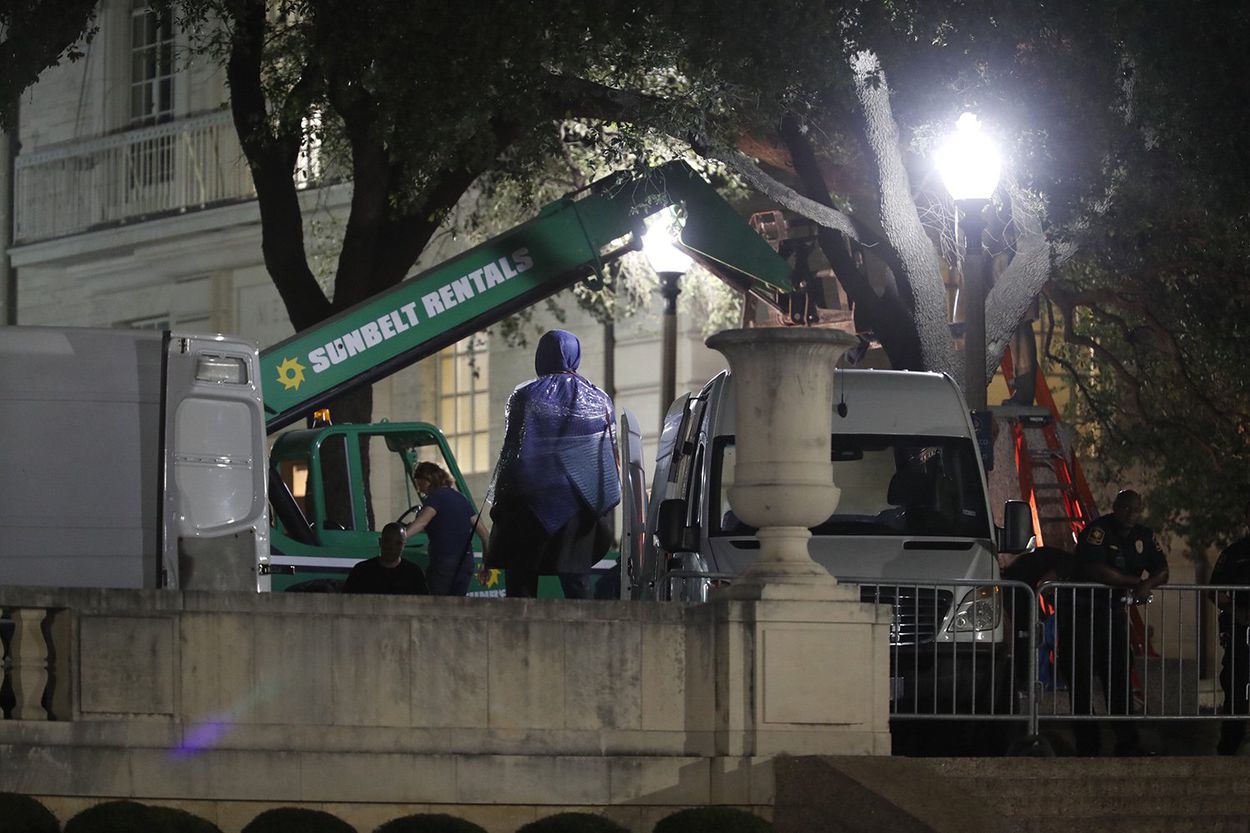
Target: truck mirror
{"x":671,"y":524}
{"x":1017,"y":526}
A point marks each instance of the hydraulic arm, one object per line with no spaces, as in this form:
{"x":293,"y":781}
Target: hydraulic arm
{"x":570,"y":239}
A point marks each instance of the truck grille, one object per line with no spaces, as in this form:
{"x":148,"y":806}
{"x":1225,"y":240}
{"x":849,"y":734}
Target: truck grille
{"x":917,"y":612}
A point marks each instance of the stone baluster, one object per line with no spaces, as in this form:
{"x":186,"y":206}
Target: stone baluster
{"x":30,"y":672}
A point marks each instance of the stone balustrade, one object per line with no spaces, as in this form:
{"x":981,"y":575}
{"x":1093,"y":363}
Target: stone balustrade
{"x":325,"y":700}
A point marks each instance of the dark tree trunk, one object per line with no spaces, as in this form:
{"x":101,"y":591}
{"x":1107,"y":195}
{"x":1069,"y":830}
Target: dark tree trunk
{"x":885,"y":314}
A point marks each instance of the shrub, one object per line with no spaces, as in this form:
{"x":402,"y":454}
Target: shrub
{"x":712,"y":820}
{"x":573,"y":823}
{"x":297,"y":820}
{"x":133,"y":817}
{"x":430,"y":823}
{"x":173,"y":820}
{"x":111,"y":817}
{"x":23,"y":814}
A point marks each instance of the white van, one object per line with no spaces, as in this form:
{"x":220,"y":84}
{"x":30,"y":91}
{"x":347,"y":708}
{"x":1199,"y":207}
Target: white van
{"x":131,"y":458}
{"x":913,"y":510}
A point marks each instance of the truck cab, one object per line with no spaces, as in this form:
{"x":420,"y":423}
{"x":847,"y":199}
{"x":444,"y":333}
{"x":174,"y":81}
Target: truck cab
{"x":346,"y":482}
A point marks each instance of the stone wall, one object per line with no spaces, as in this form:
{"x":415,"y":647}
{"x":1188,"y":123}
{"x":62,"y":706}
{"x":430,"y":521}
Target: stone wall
{"x":498,"y":710}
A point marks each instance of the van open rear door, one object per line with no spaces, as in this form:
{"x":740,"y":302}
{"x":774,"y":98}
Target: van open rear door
{"x":215,"y":533}
{"x":633,"y":504}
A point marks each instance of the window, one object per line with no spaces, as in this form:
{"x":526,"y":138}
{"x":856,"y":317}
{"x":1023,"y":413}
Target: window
{"x":159,"y":322}
{"x":891,"y":485}
{"x":151,"y":159}
{"x":464,"y":402}
{"x":151,"y":66}
{"x":192,"y":323}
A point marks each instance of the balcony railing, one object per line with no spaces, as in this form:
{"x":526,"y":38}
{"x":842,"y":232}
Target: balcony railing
{"x":176,"y":167}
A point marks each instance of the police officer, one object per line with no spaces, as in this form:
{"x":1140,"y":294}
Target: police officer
{"x":1113,"y":550}
{"x":1233,"y":567}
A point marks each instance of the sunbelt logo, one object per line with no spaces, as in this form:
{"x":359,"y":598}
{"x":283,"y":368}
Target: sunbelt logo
{"x":290,"y":374}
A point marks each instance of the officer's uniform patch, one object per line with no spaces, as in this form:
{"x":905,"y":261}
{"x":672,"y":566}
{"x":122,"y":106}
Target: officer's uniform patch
{"x":1096,"y":535}
{"x":1141,"y":546}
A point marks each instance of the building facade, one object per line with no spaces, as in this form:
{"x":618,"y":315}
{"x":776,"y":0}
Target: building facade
{"x":132,"y":206}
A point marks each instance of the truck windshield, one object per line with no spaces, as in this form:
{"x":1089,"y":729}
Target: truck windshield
{"x":891,"y":485}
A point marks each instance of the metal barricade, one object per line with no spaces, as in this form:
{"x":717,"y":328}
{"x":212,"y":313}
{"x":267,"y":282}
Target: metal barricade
{"x":1114,"y":660}
{"x":959,"y":649}
{"x":976,"y":650}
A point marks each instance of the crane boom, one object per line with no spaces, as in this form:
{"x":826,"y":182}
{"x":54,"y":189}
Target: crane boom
{"x":568,"y":240}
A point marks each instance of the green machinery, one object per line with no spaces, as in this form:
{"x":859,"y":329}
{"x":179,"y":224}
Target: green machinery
{"x":326,"y":482}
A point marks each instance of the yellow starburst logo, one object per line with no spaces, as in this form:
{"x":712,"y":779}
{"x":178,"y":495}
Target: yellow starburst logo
{"x":291,"y":374}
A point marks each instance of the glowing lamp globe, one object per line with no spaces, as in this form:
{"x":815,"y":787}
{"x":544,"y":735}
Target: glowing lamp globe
{"x":968,"y":162}
{"x":661,"y":252}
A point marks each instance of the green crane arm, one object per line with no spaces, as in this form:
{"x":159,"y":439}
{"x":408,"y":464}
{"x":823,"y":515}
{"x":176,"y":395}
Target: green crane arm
{"x":567,"y":242}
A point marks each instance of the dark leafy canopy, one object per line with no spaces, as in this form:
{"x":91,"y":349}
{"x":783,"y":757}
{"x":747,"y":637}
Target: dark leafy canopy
{"x":1156,"y":318}
{"x":35,"y":35}
{"x":1157,"y":301}
{"x":1156,"y":304}
{"x":1127,"y":118}
{"x":424,"y":98}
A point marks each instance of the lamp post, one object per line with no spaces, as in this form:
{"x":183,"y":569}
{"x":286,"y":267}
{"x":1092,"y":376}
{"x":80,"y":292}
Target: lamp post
{"x":670,"y":263}
{"x":969,"y":165}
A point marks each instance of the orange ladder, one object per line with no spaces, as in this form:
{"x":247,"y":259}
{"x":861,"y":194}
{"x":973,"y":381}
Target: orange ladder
{"x":1060,"y":498}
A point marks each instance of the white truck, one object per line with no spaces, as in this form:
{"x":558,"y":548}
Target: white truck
{"x":131,"y":458}
{"x":912,"y":527}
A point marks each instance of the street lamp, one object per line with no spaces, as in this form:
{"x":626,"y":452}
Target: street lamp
{"x":969,"y":165}
{"x":670,"y":263}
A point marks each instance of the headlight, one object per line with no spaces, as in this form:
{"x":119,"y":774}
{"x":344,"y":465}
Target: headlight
{"x":980,"y":610}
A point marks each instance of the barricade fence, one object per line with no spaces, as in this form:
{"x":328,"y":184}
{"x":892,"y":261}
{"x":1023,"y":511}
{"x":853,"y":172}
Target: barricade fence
{"x":1076,"y":651}
{"x":959,"y":649}
{"x":1113,"y":659}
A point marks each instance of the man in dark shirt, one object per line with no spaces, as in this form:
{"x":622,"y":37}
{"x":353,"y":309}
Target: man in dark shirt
{"x":1113,"y":550}
{"x":1233,"y":567}
{"x":388,"y":572}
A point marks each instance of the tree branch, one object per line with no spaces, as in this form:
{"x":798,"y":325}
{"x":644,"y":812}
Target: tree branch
{"x":1014,"y":290}
{"x":890,"y":321}
{"x":1195,"y":391}
{"x":587,"y":99}
{"x":899,"y":220}
{"x":1141,"y":400}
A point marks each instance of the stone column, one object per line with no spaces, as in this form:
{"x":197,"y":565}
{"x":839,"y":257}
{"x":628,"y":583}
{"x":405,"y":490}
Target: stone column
{"x":30,"y":663}
{"x":802,"y":666}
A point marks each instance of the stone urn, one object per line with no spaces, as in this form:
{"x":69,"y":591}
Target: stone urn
{"x":783,"y":478}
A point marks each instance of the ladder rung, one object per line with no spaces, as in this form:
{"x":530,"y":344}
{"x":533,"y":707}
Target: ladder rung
{"x":1051,"y":487}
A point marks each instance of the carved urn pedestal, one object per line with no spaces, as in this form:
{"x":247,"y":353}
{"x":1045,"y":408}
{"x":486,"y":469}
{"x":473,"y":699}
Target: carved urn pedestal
{"x":802,"y":666}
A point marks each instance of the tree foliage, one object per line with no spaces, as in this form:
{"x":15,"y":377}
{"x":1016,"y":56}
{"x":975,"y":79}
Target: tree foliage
{"x":35,"y":35}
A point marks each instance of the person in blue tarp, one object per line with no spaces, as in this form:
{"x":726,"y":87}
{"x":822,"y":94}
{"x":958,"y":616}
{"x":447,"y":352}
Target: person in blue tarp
{"x":556,"y":481}
{"x":449,"y":520}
